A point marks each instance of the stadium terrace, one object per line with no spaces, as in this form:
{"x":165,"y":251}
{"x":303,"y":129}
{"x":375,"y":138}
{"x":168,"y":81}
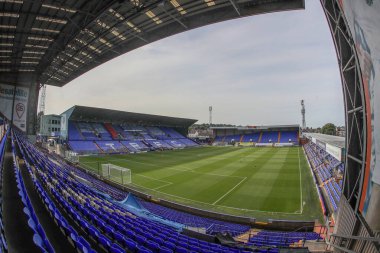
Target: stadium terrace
{"x":109,"y":181}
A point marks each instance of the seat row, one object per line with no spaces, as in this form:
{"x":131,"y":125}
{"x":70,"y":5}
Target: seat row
{"x":3,"y":242}
{"x":135,"y":234}
{"x":39,"y":236}
{"x":105,"y":222}
{"x":323,"y":165}
{"x":212,"y":226}
{"x":281,"y":239}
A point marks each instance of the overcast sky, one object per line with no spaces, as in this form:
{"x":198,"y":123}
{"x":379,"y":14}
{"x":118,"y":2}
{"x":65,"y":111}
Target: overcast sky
{"x":253,"y":71}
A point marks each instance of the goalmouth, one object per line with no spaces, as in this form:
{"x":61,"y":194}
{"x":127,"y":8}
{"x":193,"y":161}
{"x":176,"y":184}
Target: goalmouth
{"x":116,"y":173}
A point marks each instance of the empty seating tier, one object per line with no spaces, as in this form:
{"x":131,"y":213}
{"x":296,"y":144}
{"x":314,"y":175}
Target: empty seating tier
{"x":84,"y":138}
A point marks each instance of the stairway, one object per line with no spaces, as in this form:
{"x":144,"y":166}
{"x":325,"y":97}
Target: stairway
{"x":111,"y":130}
{"x":101,"y":150}
{"x":79,"y":131}
{"x":261,"y":136}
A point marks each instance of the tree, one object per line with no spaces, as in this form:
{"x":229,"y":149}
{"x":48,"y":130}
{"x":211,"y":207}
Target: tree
{"x":329,"y":128}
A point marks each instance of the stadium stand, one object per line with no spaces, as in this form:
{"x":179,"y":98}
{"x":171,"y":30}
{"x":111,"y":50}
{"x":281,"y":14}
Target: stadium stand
{"x":254,"y":137}
{"x":171,"y":133}
{"x":269,"y":137}
{"x":176,"y":143}
{"x":87,"y":131}
{"x":112,"y":131}
{"x":264,"y":137}
{"x":39,"y":236}
{"x":288,"y":136}
{"x":157,"y":133}
{"x":86,"y":137}
{"x":230,"y":138}
{"x":84,"y":146}
{"x":212,"y":226}
{"x":111,"y":146}
{"x":158,"y":144}
{"x":281,"y":239}
{"x":105,"y":221}
{"x":94,"y":208}
{"x":188,"y":142}
{"x":324,"y":167}
{"x":219,"y":139}
{"x":74,"y":132}
{"x":3,"y":243}
{"x":135,"y":146}
{"x":101,"y":132}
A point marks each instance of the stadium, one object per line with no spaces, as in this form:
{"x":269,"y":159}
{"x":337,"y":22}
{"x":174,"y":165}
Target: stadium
{"x":105,"y":180}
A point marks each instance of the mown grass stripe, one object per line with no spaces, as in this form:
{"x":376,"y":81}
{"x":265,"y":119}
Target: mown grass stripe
{"x":259,"y":182}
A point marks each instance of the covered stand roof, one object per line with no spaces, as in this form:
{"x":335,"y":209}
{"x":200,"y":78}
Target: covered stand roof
{"x":93,"y":114}
{"x":336,"y":141}
{"x":258,"y":128}
{"x":53,"y":41}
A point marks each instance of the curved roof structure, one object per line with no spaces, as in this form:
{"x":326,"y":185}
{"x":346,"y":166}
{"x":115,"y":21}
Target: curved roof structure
{"x":93,"y":114}
{"x":53,"y":42}
{"x":336,"y":141}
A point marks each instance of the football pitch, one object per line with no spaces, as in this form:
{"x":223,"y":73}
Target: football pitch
{"x":257,"y":182}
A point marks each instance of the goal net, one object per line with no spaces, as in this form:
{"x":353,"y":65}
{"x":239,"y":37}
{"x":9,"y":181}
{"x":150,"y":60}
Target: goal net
{"x":116,"y":173}
{"x":72,"y":156}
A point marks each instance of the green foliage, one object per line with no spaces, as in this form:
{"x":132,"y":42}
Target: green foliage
{"x":329,"y":128}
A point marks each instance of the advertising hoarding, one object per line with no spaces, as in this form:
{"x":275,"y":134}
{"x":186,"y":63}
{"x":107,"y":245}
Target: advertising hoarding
{"x":321,"y":144}
{"x":20,"y":105}
{"x":334,"y":151}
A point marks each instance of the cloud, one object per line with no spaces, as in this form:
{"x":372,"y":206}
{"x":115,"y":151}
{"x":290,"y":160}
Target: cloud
{"x":253,"y":70}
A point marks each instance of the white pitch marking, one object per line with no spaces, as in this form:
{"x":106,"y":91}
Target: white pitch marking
{"x":201,"y":202}
{"x":230,"y":191}
{"x":186,"y":169}
{"x":162,"y":186}
{"x":191,"y":200}
{"x":151,"y":178}
{"x":299,"y":167}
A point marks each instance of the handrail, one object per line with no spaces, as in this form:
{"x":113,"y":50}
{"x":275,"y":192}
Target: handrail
{"x":372,"y":239}
{"x":340,"y":248}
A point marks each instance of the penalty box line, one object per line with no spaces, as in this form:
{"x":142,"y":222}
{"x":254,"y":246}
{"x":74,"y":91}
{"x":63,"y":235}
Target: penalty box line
{"x":233,"y":188}
{"x":155,"y":179}
{"x":209,"y":204}
{"x":186,"y":169}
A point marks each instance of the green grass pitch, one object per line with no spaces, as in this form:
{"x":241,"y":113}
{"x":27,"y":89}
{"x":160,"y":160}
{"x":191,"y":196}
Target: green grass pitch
{"x":257,"y":182}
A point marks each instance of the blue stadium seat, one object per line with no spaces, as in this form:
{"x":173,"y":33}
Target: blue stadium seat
{"x":142,"y":249}
{"x":181,"y":250}
{"x":165,"y":250}
{"x":39,"y":242}
{"x":130,"y":244}
{"x":115,"y":248}
{"x":153,"y":246}
{"x":105,"y":242}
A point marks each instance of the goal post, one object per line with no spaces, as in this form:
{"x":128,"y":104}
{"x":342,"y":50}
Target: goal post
{"x":116,"y":173}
